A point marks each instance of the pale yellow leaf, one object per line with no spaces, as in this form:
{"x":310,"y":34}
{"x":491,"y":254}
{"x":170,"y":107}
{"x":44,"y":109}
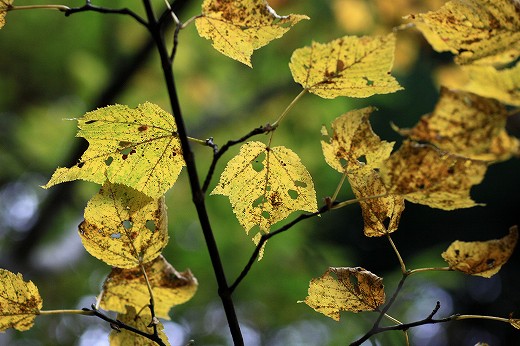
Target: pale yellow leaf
{"x":483,"y":31}
{"x":265,"y":185}
{"x":426,"y":175}
{"x":238,"y":27}
{"x":5,"y":5}
{"x":139,"y":321}
{"x":348,"y":66}
{"x":125,"y":288}
{"x":347,"y":289}
{"x":134,"y":147}
{"x":123,"y":227}
{"x":515,"y":322}
{"x":469,"y":125}
{"x":20,"y":302}
{"x":481,"y":258}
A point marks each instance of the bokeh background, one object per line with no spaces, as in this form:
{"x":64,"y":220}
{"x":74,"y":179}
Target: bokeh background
{"x":55,"y":68}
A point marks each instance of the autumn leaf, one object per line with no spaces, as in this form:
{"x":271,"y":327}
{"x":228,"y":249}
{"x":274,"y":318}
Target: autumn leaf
{"x":5,"y":5}
{"x":125,"y":288}
{"x":469,"y":125}
{"x":483,"y":31}
{"x":20,"y":302}
{"x":265,"y":185}
{"x":239,"y":27}
{"x":349,"y":66}
{"x":141,"y":321}
{"x":137,"y":147}
{"x":350,"y":289}
{"x":481,"y":258}
{"x":515,"y":322}
{"x":426,"y":175}
{"x":124,"y":227}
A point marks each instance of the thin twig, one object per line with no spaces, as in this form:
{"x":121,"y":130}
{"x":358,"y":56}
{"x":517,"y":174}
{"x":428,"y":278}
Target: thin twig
{"x":401,"y":262}
{"x":88,"y":7}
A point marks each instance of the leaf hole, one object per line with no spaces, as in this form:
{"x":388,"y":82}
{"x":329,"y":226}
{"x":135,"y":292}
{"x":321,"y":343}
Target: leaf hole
{"x":81,"y":164}
{"x":257,"y":163}
{"x":126,"y":151}
{"x":300,"y":183}
{"x":260,"y":200}
{"x":90,"y":121}
{"x":127,"y":224}
{"x":490,"y":262}
{"x":266,"y":215}
{"x":116,"y":235}
{"x":386,"y":222}
{"x":109,"y":160}
{"x":362,"y":159}
{"x":369,"y":82}
{"x":150,"y":224}
{"x":293,"y":194}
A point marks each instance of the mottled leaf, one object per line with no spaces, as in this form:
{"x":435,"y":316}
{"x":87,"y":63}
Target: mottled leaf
{"x":124,"y":227}
{"x":137,"y":147}
{"x":20,"y":302}
{"x":5,"y":5}
{"x":127,"y":287}
{"x":347,"y":289}
{"x":141,"y":322}
{"x":238,"y":27}
{"x":481,"y":258}
{"x":349,"y":66}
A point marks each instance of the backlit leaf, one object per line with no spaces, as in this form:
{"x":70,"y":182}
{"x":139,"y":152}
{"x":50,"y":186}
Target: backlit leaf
{"x":124,"y":227}
{"x":265,"y":185}
{"x":139,"y":321}
{"x":134,"y":147}
{"x":237,"y":27}
{"x":485,"y":30}
{"x":125,"y":288}
{"x":347,"y":289}
{"x":426,"y":175}
{"x":468,"y":125}
{"x":5,"y":5}
{"x":481,"y":258}
{"x":515,"y":322}
{"x":349,"y":66}
{"x":20,"y":302}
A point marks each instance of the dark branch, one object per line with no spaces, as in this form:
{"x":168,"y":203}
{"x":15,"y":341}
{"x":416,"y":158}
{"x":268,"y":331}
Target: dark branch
{"x":88,"y":7}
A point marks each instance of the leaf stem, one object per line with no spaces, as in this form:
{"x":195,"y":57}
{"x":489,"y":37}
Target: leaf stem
{"x":190,"y":20}
{"x":61,"y":8}
{"x":357,"y":200}
{"x":401,"y":262}
{"x":422,"y":270}
{"x":340,"y":185}
{"x":289,"y":107}
{"x":65,"y":311}
{"x":481,"y":317}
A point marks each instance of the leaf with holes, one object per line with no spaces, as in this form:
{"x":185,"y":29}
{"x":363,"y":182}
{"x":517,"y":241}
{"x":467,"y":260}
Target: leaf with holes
{"x":469,"y":125}
{"x":143,"y":322}
{"x":20,"y":302}
{"x":238,"y":27}
{"x":124,"y":227}
{"x":137,"y":147}
{"x":265,"y":185}
{"x":126,"y":288}
{"x":481,"y":258}
{"x":349,"y":66}
{"x":483,"y":31}
{"x":345,"y":289}
{"x":426,"y":175}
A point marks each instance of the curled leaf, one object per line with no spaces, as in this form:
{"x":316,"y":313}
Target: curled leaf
{"x":481,"y":258}
{"x":142,"y":322}
{"x":5,"y":5}
{"x":345,"y":289}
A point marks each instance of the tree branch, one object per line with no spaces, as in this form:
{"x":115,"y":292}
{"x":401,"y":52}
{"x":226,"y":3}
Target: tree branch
{"x":88,"y":7}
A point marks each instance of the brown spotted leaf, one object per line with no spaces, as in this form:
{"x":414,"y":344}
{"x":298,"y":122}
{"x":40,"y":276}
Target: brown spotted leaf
{"x":126,"y":288}
{"x":426,"y":175}
{"x":136,"y":147}
{"x":345,"y":289}
{"x":142,"y":322}
{"x":5,"y":5}
{"x":481,"y":258}
{"x":238,"y":27}
{"x":349,"y":66}
{"x":20,"y":302}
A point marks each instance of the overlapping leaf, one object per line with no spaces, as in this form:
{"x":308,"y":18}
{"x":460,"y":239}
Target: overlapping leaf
{"x":238,"y":27}
{"x":426,"y":175}
{"x":468,"y":125}
{"x":348,"y":66}
{"x":481,"y":258}
{"x":124,"y":227}
{"x":20,"y":302}
{"x":125,"y":288}
{"x":485,"y":30}
{"x":141,"y":322}
{"x":352,"y":289}
{"x":265,"y":185}
{"x":134,"y":147}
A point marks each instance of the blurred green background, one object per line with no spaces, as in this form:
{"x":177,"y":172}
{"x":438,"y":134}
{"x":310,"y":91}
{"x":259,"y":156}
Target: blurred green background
{"x":55,"y":68}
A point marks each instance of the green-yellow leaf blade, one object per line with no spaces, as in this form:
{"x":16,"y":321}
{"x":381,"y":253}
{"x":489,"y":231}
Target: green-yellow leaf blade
{"x":238,"y":27}
{"x":141,"y":322}
{"x":135,"y":147}
{"x":349,"y":66}
{"x":20,"y":302}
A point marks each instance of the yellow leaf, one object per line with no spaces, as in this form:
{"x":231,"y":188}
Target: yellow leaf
{"x":135,"y":147}
{"x":124,"y":227}
{"x":352,"y":289}
{"x":426,"y":175}
{"x":481,"y":258}
{"x":139,"y":321}
{"x":237,"y":27}
{"x":515,"y":322}
{"x":20,"y":302}
{"x":265,"y":185}
{"x":5,"y":5}
{"x":125,"y":288}
{"x":348,"y":66}
{"x":484,"y":31}
{"x":468,"y":125}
